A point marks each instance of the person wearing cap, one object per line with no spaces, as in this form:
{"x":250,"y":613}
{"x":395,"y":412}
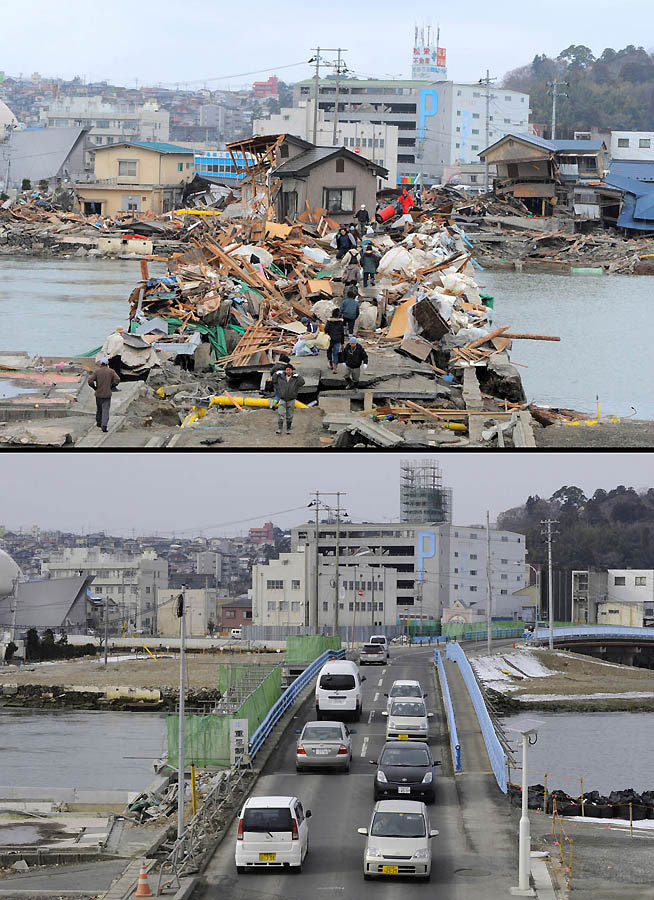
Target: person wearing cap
{"x":102,"y":380}
{"x":344,"y":242}
{"x":113,"y":350}
{"x":279,"y":366}
{"x":354,"y":356}
{"x":335,"y":329}
{"x":363,"y":218}
{"x":350,"y":309}
{"x":287,"y":387}
{"x":309,"y":326}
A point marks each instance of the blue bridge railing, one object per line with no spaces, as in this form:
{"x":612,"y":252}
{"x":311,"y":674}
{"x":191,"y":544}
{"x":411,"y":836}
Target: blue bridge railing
{"x":449,"y":709}
{"x":288,"y":698}
{"x":608,"y":631}
{"x":495,"y":750}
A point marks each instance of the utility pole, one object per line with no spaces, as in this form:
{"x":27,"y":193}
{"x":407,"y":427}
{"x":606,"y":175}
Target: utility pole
{"x":338,"y":76}
{"x":554,"y":85}
{"x":487,"y":81}
{"x":316,"y":88}
{"x":181,"y":764}
{"x":549,"y":535}
{"x":489,"y":593}
{"x":316,"y":502}
{"x":338,"y":560}
{"x":15,"y":609}
{"x":106,"y":626}
{"x":317,"y":584}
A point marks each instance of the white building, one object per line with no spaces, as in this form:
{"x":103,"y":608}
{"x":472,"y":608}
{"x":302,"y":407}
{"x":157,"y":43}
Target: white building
{"x":375,"y":142}
{"x":632,"y":145}
{"x":199,"y":607}
{"x":131,"y":582}
{"x":283,"y":592}
{"x":630,"y":598}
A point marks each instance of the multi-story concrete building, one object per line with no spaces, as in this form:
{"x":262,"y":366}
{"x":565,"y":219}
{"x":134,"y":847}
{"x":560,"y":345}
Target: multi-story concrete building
{"x":630,"y":598}
{"x":109,"y":123}
{"x":378,"y":143}
{"x":589,"y":589}
{"x":436,"y":565}
{"x":439,"y":122}
{"x":132,"y":582}
{"x":284,"y":591}
{"x":632,"y":145}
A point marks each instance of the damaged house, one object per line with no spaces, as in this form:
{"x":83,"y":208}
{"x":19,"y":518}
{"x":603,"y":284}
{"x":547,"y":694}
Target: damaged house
{"x":549,"y":177}
{"x":627,"y":194}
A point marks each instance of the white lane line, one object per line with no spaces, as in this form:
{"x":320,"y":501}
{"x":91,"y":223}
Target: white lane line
{"x":376,"y":697}
{"x":383,"y":671}
{"x":380,"y":682}
{"x":364,"y":747}
{"x":372,"y":713}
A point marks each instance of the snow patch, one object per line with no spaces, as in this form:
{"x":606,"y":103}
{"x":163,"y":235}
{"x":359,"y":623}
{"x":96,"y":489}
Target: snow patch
{"x":628,"y":695}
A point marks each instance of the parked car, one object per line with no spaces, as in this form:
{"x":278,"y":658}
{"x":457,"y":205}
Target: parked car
{"x":404,"y":689}
{"x":398,"y":840}
{"x":323,"y":745}
{"x":235,"y":634}
{"x":372,"y":653}
{"x":338,"y":690}
{"x":380,"y":639}
{"x":408,"y":720}
{"x":273,"y":832}
{"x":405,"y":768}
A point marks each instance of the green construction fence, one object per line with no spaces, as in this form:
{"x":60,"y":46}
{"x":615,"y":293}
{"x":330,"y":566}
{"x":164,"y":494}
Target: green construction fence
{"x":302,"y":649}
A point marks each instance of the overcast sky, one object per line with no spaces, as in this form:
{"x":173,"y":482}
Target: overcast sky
{"x":189,"y":492}
{"x":168,"y":42}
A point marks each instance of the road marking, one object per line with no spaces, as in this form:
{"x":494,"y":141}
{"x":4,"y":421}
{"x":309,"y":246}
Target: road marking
{"x":372,"y":713}
{"x":376,"y":697}
{"x":383,"y":671}
{"x":380,"y":682}
{"x":364,"y":747}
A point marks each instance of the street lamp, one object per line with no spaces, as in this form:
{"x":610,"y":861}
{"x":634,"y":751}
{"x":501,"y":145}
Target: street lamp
{"x":529,"y":732}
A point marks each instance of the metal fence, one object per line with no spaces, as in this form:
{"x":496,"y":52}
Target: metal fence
{"x":496,"y":753}
{"x":359,"y":633}
{"x":288,"y":698}
{"x":542,"y":634}
{"x":449,"y":709}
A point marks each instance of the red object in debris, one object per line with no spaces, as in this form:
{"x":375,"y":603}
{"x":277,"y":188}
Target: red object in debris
{"x":140,"y":237}
{"x":385,"y":214}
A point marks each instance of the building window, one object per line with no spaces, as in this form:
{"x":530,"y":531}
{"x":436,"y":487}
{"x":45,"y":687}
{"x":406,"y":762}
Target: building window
{"x":644,"y":143}
{"x":230,"y":613}
{"x":283,"y":604}
{"x":295,"y":585}
{"x":457,"y":146}
{"x":504,"y":577}
{"x":456,"y":553}
{"x":623,"y":142}
{"x":147,"y":590}
{"x":127,"y":167}
{"x":507,"y":98}
{"x":640,"y":580}
{"x":340,"y":165}
{"x":458,"y":112}
{"x":271,"y":605}
{"x":504,"y":591}
{"x":180,"y":167}
{"x":507,"y":121}
{"x":351,"y":605}
{"x":475,"y":115}
{"x":505,"y":539}
{"x":473,"y":537}
{"x":338,"y":200}
{"x":325,"y":606}
{"x":275,"y":585}
{"x":473,"y":571}
{"x":473,"y":587}
{"x":619,"y":580}
{"x":473,"y":556}
{"x":456,"y":571}
{"x":504,"y":562}
{"x":475,"y":131}
{"x":458,"y":128}
{"x":614,"y":612}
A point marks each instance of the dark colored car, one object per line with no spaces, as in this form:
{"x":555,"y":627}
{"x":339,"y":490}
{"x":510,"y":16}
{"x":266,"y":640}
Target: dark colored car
{"x":405,"y":769}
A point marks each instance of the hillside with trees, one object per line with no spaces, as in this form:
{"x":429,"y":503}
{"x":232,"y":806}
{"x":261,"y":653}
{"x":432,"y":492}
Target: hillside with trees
{"x":612,"y":92}
{"x":611,"y":529}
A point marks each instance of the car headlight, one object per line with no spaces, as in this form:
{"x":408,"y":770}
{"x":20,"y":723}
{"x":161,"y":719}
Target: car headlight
{"x":374,"y":852}
{"x":429,"y":777}
{"x":381,"y":777}
{"x":421,"y":854}
{"x":392,"y":725}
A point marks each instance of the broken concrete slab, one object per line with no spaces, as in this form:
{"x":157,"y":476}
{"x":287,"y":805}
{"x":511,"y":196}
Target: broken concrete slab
{"x":334,"y":403}
{"x":59,"y":432}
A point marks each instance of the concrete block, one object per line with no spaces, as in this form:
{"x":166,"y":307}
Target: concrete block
{"x":334,"y":404}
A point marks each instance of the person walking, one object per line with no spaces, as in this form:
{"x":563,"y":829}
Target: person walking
{"x":363,"y":218}
{"x":102,"y":380}
{"x":406,"y":202}
{"x":344,"y":242}
{"x":369,"y":262}
{"x":287,"y":388}
{"x":354,"y":356}
{"x":350,"y":309}
{"x":335,"y":328}
{"x":276,"y":368}
{"x":113,"y":350}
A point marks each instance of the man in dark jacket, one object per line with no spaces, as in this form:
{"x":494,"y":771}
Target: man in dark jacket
{"x":350,"y":309}
{"x":335,"y":329}
{"x":354,"y":356}
{"x":287,"y":387}
{"x":369,"y":263}
{"x":363,"y":218}
{"x":279,"y":366}
{"x":344,"y":242}
{"x":102,"y":381}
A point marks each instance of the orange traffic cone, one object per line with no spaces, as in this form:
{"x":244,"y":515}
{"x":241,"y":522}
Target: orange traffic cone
{"x":143,"y":887}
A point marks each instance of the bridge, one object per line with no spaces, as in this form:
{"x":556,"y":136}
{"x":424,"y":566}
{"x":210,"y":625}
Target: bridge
{"x":614,"y":643}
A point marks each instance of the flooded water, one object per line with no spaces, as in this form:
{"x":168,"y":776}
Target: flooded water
{"x":610,"y":751}
{"x":64,"y":307}
{"x":605,"y":346}
{"x":86,"y":750}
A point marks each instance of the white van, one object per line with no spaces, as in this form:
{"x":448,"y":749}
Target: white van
{"x":235,"y":634}
{"x":273,"y":832}
{"x":338,"y":690}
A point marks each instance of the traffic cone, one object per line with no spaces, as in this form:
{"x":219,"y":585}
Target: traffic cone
{"x":143,"y":887}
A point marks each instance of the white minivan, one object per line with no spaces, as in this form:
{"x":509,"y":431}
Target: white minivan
{"x":338,"y":690}
{"x":273,"y":832}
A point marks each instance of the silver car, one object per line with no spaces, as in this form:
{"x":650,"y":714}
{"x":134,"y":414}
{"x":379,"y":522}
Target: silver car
{"x":324,"y":745}
{"x":398,"y":840}
{"x":372,"y":653}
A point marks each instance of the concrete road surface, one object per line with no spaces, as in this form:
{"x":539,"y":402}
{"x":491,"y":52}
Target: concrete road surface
{"x":474,"y":856}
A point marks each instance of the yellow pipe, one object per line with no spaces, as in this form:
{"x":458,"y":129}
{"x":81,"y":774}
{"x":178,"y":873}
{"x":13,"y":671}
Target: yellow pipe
{"x":147,"y":651}
{"x":260,"y":402}
{"x":194,"y":790}
{"x":456,"y":426}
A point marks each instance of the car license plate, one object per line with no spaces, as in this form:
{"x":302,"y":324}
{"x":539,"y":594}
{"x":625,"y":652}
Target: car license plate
{"x":267,"y":857}
{"x":321,"y":751}
{"x":404,"y":789}
{"x":389,"y":870}
{"x":403,"y":737}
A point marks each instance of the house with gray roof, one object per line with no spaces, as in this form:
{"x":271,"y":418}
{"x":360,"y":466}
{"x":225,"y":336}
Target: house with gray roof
{"x":56,"y":603}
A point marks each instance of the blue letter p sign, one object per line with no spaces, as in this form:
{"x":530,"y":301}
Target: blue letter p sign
{"x":424,"y":111}
{"x":426,"y":549}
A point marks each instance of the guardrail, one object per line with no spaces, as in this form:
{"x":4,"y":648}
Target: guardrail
{"x":287,"y":698}
{"x":496,"y":753}
{"x":608,"y":631}
{"x":449,"y":709}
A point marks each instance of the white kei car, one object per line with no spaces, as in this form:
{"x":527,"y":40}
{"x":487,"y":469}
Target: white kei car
{"x":273,"y":832}
{"x":398,"y":840}
{"x":407,"y":720}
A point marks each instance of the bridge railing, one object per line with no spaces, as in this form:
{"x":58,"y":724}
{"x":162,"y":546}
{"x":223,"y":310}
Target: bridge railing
{"x":496,"y":753}
{"x":449,"y":710}
{"x":288,"y":698}
{"x":607,"y":631}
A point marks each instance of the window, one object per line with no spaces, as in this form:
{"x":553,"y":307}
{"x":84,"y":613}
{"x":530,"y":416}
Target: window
{"x":504,"y":577}
{"x":623,"y":142}
{"x":458,"y":112}
{"x":456,"y":553}
{"x":504,"y":591}
{"x":381,"y":142}
{"x":230,"y":613}
{"x":473,"y":537}
{"x":507,"y":98}
{"x":619,"y":580}
{"x":283,"y":604}
{"x":473,"y":556}
{"x":456,"y":571}
{"x":458,"y":128}
{"x":644,"y":143}
{"x":507,"y":121}
{"x":338,"y":200}
{"x":351,"y":605}
{"x":147,"y":590}
{"x":340,"y":165}
{"x":271,"y":605}
{"x":295,"y":585}
{"x":473,"y":180}
{"x":473,"y":587}
{"x":505,"y":539}
{"x":473,"y":571}
{"x":180,"y":167}
{"x":275,"y":585}
{"x":475,"y":131}
{"x":325,"y":606}
{"x":614,"y":612}
{"x":457,"y":146}
{"x":504,"y":562}
{"x":127,"y":167}
{"x":640,"y":580}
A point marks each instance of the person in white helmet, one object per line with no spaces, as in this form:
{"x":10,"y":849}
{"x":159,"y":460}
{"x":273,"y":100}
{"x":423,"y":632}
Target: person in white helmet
{"x":363,"y":218}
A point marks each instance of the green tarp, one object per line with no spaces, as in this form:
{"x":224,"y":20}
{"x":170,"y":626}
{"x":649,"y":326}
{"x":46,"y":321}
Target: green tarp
{"x":302,"y":649}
